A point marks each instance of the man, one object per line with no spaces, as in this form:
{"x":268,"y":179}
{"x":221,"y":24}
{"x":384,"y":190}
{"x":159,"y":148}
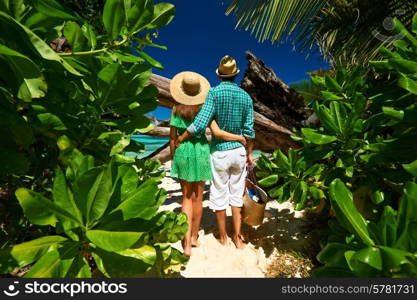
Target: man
{"x":232,"y":108}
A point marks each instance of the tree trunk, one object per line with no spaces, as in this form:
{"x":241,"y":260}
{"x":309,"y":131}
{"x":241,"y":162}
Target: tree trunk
{"x":271,"y":97}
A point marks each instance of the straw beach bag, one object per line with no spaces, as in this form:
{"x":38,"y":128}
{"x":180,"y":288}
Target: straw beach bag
{"x":253,"y":212}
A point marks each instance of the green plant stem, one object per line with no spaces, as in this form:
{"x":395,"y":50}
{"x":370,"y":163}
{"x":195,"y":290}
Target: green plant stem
{"x":81,"y":53}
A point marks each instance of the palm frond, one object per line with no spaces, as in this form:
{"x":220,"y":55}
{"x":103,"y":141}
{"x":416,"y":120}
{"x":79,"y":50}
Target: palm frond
{"x":272,"y":19}
{"x":346,"y":32}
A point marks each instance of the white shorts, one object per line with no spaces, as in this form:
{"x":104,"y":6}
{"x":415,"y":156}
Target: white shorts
{"x":229,"y":174}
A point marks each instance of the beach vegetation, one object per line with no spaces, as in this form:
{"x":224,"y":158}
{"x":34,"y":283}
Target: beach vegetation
{"x":359,"y":165}
{"x":73,"y":90}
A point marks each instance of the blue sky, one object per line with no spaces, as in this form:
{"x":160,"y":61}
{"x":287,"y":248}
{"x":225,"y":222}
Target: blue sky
{"x":200,"y":35}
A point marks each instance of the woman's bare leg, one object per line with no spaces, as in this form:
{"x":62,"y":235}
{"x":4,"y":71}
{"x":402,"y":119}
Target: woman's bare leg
{"x":187,"y":208}
{"x":198,"y":189}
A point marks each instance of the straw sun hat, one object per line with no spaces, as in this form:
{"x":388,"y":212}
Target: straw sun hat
{"x":189,"y":88}
{"x":227,"y":67}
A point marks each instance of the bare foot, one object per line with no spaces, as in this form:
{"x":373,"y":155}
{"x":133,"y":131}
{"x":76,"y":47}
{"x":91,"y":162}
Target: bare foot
{"x":237,"y":240}
{"x":186,"y":248}
{"x":195,"y":242}
{"x":223,"y":240}
{"x":187,"y":251}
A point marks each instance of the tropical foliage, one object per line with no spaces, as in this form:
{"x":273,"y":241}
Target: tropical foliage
{"x":360,"y":161}
{"x":347,"y":32}
{"x":73,"y":89}
{"x":104,"y":219}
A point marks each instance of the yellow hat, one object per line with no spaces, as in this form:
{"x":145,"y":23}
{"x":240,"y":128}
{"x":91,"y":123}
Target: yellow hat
{"x":227,"y":67}
{"x":189,"y":88}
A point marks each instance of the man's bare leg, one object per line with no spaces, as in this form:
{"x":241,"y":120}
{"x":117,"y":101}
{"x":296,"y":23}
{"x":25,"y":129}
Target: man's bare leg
{"x":237,"y":223}
{"x":221,"y":222}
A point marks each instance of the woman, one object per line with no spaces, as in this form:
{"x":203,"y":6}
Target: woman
{"x":191,"y":160}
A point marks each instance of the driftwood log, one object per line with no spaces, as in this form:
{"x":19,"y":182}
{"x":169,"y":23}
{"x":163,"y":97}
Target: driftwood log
{"x":278,"y":108}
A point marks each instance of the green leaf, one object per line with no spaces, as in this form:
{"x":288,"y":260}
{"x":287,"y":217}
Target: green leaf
{"x":151,"y":61}
{"x":163,"y":14}
{"x":269,"y":181}
{"x":31,"y":82}
{"x":55,"y":263}
{"x":116,"y":241}
{"x":63,"y":197}
{"x":51,"y":121}
{"x":127,"y":57}
{"x":54,"y":9}
{"x":143,"y":202}
{"x":394,"y":258}
{"x":339,"y":114}
{"x":332,"y":84}
{"x":127,"y":263}
{"x":378,"y":197}
{"x":326,"y":117}
{"x":41,"y":47}
{"x":114,"y":17}
{"x":282,"y":160}
{"x":92,"y":192}
{"x":387,"y":226}
{"x":329,"y":96}
{"x":316,"y":193}
{"x":393,"y":113}
{"x":39,"y":210}
{"x":407,"y":217}
{"x":404,"y":65}
{"x":401,"y":29}
{"x":313,"y":137}
{"x":276,"y":192}
{"x":300,"y":195}
{"x":408,"y":84}
{"x":26,"y":253}
{"x":370,"y":256}
{"x":414,"y":24}
{"x":33,"y":209}
{"x":346,"y":212}
{"x":64,"y":143}
{"x":90,"y":35}
{"x":75,"y":36}
{"x":411,"y":168}
{"x":139,"y":15}
{"x":109,"y":73}
{"x":124,"y":184}
{"x":333,"y":255}
{"x":149,"y":43}
{"x":120,"y":145}
{"x":79,"y":268}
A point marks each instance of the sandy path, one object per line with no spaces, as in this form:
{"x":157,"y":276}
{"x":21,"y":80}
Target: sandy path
{"x":281,"y":230}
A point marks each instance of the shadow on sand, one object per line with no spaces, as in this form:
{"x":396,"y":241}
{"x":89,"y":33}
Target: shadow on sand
{"x":280,"y":230}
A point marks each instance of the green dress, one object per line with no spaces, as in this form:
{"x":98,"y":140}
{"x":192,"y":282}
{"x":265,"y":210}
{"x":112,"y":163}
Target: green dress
{"x":192,"y":158}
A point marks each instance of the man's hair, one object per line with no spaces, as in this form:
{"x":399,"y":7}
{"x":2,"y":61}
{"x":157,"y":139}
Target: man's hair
{"x":231,"y":79}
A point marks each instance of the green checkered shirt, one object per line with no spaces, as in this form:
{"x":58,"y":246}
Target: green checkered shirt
{"x":232,"y":108}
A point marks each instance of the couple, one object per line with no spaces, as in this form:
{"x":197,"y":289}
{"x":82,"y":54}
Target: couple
{"x":228,"y":111}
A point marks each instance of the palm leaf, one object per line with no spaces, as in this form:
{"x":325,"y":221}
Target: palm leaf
{"x":272,"y":19}
{"x":344,"y":31}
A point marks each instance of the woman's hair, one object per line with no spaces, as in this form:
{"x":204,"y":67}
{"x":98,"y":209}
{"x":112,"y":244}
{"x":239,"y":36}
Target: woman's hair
{"x":187,"y":112}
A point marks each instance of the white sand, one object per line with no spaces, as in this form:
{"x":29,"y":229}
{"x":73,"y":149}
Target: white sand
{"x":280,"y":231}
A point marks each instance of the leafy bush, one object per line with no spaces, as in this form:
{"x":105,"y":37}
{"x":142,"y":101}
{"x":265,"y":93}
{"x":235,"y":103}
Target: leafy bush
{"x":74,"y":83}
{"x":362,"y":156}
{"x":97,"y":87}
{"x":106,"y":219}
